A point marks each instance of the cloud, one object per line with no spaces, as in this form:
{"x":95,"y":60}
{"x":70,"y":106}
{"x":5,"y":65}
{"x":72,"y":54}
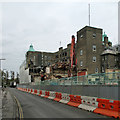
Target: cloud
{"x":45,"y":24}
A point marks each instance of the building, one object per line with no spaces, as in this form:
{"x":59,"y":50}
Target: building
{"x":93,"y":54}
{"x":24,"y":73}
{"x":88,"y":49}
{"x":110,"y":58}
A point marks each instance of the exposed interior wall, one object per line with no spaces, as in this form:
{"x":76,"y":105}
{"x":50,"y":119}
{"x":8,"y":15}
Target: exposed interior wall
{"x":24,"y":75}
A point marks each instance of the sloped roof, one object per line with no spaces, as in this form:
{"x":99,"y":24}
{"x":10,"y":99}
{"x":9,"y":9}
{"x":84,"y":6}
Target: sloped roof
{"x":108,"y":51}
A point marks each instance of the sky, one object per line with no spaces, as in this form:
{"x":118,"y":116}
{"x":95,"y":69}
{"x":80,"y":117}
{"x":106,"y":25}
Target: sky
{"x":45,"y":24}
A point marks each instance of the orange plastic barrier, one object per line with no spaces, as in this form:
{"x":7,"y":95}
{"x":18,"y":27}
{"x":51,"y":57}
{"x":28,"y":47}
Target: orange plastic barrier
{"x":113,"y":105}
{"x":108,"y":107}
{"x":58,"y":96}
{"x":47,"y":93}
{"x":106,"y":112}
{"x":28,"y":90}
{"x":40,"y":93}
{"x":31,"y":91}
{"x":74,"y":100}
{"x":35,"y":91}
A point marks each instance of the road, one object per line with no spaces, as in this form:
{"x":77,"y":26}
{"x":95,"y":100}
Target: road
{"x":37,"y":107}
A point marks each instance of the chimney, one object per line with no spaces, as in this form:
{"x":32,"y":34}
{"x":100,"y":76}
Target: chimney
{"x":60,"y":48}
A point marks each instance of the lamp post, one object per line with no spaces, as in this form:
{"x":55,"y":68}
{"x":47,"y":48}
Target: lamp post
{"x":4,"y":77}
{"x":1,"y":72}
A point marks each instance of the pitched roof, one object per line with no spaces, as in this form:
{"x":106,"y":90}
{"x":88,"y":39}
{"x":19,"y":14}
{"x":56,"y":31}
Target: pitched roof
{"x":108,"y":51}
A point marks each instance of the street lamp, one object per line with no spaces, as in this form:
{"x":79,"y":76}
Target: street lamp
{"x":1,"y":71}
{"x":4,"y":77}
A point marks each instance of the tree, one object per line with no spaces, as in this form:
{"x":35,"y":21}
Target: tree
{"x":17,"y":78}
{"x":12,"y":75}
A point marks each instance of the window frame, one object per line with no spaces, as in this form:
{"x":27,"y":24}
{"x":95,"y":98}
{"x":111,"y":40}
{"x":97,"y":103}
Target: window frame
{"x":94,"y":48}
{"x":81,"y":36}
{"x":94,"y":35}
{"x":94,"y":59}
{"x":96,"y":70}
{"x":81,"y":52}
{"x":81,"y":63}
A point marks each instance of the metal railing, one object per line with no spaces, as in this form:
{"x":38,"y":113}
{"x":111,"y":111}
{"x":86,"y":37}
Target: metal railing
{"x":92,"y":79}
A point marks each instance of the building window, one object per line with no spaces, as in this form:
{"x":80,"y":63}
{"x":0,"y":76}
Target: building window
{"x":56,"y":56}
{"x":94,"y":35}
{"x":96,"y":70}
{"x":34,"y":57}
{"x":45,"y":57}
{"x":94,"y":47}
{"x":81,"y":52}
{"x":103,"y":69}
{"x":81,"y":36}
{"x":34,"y":60}
{"x":48,"y":64}
{"x":105,"y":57}
{"x":65,"y":53}
{"x":49,"y":58}
{"x":42,"y":54}
{"x":81,"y":63}
{"x":94,"y":59}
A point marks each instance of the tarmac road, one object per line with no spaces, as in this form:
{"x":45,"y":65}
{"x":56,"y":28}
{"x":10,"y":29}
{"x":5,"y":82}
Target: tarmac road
{"x":37,"y":107}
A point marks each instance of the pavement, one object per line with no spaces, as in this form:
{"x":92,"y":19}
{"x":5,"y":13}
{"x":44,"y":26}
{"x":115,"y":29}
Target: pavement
{"x":37,"y":107}
{"x":7,"y":104}
{"x":1,"y":103}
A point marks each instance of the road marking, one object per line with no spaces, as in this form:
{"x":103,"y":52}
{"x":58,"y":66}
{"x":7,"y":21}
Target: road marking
{"x":20,"y":108}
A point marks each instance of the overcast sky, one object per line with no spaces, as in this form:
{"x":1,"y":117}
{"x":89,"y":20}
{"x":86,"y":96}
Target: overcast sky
{"x":45,"y":24}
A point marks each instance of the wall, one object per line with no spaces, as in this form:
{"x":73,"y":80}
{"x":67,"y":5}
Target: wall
{"x":24,"y":74}
{"x":101,"y":91}
{"x":85,"y":43}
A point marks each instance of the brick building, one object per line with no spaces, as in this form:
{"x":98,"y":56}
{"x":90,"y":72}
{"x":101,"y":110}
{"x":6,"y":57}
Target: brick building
{"x":88,"y":49}
{"x":93,"y":52}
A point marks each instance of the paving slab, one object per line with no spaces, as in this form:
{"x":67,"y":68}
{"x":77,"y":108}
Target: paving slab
{"x":8,"y":104}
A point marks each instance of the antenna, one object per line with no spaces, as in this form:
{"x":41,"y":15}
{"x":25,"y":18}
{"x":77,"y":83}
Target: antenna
{"x":60,"y":43}
{"x":89,"y":13}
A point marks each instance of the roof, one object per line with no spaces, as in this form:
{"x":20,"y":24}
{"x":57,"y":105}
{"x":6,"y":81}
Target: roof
{"x":117,"y":47}
{"x":108,"y":51}
{"x":104,"y":35}
{"x":31,"y":48}
{"x":88,"y":27}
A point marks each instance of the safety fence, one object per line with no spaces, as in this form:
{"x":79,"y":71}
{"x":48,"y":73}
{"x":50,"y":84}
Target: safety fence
{"x":102,"y":106}
{"x":92,"y":79}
